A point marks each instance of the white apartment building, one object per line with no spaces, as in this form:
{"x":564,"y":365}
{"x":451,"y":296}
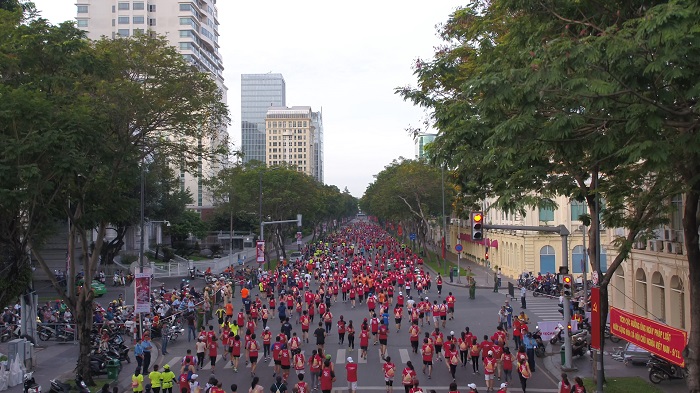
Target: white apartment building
{"x":190,"y":26}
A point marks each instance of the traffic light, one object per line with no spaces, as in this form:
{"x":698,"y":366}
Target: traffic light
{"x":568,"y":283}
{"x":477,"y":225}
{"x":486,"y":254}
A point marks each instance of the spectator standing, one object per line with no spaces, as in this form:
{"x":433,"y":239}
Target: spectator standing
{"x":147,"y":347}
{"x":351,"y":369}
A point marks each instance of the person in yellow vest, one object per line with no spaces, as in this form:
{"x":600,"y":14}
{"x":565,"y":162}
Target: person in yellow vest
{"x":155,"y":378}
{"x":167,"y":379}
{"x":137,"y":381}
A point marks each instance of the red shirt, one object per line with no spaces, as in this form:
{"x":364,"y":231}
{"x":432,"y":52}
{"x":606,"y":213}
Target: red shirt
{"x":383,"y":332}
{"x":253,"y":348}
{"x":267,"y":337}
{"x":341,"y":327}
{"x":507,"y":361}
{"x":407,"y":376}
{"x":326,"y":378}
{"x":374,"y":324}
{"x":183,"y":382}
{"x":236,"y":345}
{"x":389,"y":370}
{"x":302,"y":387}
{"x":304,"y":322}
{"x":351,"y":369}
{"x":213,"y":346}
{"x":284,"y":357}
{"x":489,"y":365}
{"x":485,"y":348}
{"x":427,"y":352}
{"x":364,"y":338}
{"x":299,"y":361}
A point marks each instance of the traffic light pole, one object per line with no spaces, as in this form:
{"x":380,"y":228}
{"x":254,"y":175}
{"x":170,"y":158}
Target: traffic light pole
{"x":563,"y":233}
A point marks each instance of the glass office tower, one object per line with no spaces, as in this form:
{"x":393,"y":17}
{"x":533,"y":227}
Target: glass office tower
{"x":259,"y":92}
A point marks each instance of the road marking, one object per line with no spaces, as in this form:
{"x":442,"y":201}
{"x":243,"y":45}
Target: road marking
{"x":437,"y":388}
{"x":174,"y":361}
{"x":340,"y":356}
{"x":207,"y":366}
{"x":405,"y":357}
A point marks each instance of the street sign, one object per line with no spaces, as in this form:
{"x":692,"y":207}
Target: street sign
{"x":458,"y":248}
{"x":260,"y":251}
{"x":299,"y":237}
{"x":412,"y":236}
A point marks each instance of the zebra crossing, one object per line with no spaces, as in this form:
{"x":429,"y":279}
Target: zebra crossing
{"x":341,"y":355}
{"x":543,"y":309}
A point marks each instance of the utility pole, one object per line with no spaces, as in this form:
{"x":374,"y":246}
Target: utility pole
{"x":443,"y":243}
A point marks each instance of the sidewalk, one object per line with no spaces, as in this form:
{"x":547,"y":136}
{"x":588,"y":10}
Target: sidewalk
{"x":483,"y":275}
{"x":613,"y":369}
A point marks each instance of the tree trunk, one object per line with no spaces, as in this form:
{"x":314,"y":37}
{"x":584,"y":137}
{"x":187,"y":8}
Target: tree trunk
{"x":690,"y":232}
{"x":83,"y":320}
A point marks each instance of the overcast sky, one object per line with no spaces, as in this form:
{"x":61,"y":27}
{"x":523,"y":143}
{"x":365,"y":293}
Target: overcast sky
{"x":343,"y":57}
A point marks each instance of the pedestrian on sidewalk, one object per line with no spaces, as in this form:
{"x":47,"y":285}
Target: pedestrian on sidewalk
{"x":523,"y":293}
{"x":138,"y":353}
{"x":472,"y":288}
{"x":495,"y":282}
{"x":147,"y":347}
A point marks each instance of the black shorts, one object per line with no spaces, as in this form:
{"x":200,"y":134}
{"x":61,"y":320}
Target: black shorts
{"x":428,"y":362}
{"x":438,"y":348}
{"x":212,"y":359}
{"x":443,"y":317}
{"x":230,"y":349}
{"x":364,"y":348}
{"x":451,"y":309}
{"x":421,"y":315}
{"x":286,"y":367}
{"x":374,"y":333}
{"x":236,"y":356}
{"x":304,"y":330}
{"x":382,"y":341}
{"x":390,"y":382}
{"x":253,"y":359}
{"x":397,"y":320}
{"x":278,"y":362}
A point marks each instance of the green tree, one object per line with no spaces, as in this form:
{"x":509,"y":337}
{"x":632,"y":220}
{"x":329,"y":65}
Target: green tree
{"x":78,"y":119}
{"x":407,"y":191}
{"x":527,"y":98}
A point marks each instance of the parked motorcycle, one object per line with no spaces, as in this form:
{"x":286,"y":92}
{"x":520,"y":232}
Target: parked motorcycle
{"x":81,"y":385}
{"x":541,"y":289}
{"x":611,"y":336}
{"x":59,"y":387}
{"x":65,"y":332}
{"x":540,"y":348}
{"x":30,"y":385}
{"x":580,"y":343}
{"x":558,"y":335}
{"x":192,"y":273}
{"x":45,"y":333}
{"x":661,"y":370}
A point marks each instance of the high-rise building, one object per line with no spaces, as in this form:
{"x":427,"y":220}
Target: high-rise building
{"x":421,"y":141}
{"x":191,"y":27}
{"x":259,"y":92}
{"x":317,"y":123}
{"x":292,"y":136}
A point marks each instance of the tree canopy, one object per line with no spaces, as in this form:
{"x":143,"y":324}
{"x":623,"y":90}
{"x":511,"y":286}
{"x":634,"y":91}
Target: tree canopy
{"x":577,"y":98}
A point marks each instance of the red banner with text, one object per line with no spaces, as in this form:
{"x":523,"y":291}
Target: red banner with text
{"x":595,"y":318}
{"x":662,"y":340}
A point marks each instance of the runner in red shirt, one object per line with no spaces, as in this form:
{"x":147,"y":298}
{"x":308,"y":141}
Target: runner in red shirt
{"x":398,"y":315}
{"x":427,"y":351}
{"x":235,"y":352}
{"x":305,"y":323}
{"x":341,"y":331}
{"x":327,"y":377}
{"x":364,"y":343}
{"x":389,"y":371}
{"x":408,"y":376}
{"x":489,"y":370}
{"x":485,"y":346}
{"x":299,"y":363}
{"x":351,"y":370}
{"x":285,"y":362}
{"x":383,"y":339}
{"x":302,"y":387}
{"x":374,"y":325}
{"x":507,"y":364}
{"x":253,"y":349}
{"x":451,"y":305}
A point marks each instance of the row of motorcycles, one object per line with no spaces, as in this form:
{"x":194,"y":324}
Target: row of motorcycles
{"x":62,"y":387}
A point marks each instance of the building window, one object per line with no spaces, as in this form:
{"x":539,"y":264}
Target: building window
{"x":151,"y":21}
{"x":151,"y":8}
{"x":186,"y":33}
{"x":138,"y":31}
{"x":578,"y":209}
{"x":619,"y":296}
{"x":640,"y":292}
{"x":658,"y":297}
{"x":123,"y":32}
{"x":546,"y":210}
{"x":185,"y":7}
{"x":138,"y":6}
{"x":185,"y":46}
{"x":578,"y":260}
{"x":114,"y":9}
{"x":138,"y":20}
{"x":547,"y":260}
{"x":123,"y":20}
{"x":187,"y":22}
{"x":82,"y":23}
{"x":123,"y":6}
{"x":677,"y":317}
{"x":82,"y":9}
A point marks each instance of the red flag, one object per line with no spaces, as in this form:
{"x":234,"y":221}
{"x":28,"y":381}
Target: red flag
{"x":442,"y":244}
{"x":595,"y":317}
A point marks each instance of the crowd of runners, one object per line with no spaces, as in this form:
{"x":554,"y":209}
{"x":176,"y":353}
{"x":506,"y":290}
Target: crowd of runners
{"x":360,"y":266}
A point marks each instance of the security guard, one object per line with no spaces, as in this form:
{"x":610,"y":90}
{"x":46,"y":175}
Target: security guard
{"x":168,"y":379}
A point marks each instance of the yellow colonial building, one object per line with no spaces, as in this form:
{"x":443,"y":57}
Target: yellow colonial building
{"x":652,"y":282}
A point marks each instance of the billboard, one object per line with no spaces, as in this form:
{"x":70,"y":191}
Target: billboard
{"x":260,"y":251}
{"x":142,"y":293}
{"x":662,"y":340}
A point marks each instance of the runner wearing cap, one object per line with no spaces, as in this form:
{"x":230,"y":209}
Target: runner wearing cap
{"x":504,"y":388}
{"x":472,"y":388}
{"x":351,"y":369}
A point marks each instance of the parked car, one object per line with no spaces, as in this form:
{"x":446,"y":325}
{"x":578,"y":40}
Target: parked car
{"x":295,"y":256}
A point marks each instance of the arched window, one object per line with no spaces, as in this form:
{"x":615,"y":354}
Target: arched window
{"x":640,"y":292}
{"x":677,"y":312}
{"x":619,"y":297}
{"x":658,"y":297}
{"x":547,"y":260}
{"x":578,"y":261}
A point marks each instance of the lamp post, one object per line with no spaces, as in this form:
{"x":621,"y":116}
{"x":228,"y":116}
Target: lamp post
{"x":443,"y":244}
